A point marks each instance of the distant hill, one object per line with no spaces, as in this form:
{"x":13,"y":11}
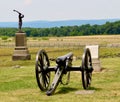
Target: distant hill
{"x":49,"y":24}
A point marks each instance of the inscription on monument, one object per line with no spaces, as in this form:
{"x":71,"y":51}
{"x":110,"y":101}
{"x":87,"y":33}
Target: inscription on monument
{"x":94,"y":51}
{"x":20,"y":40}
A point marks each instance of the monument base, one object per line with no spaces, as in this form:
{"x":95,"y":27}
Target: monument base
{"x":21,"y":57}
{"x":21,"y":53}
{"x":96,"y":65}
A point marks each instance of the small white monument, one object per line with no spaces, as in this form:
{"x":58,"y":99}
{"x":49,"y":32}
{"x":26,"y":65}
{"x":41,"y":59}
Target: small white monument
{"x":94,"y":49}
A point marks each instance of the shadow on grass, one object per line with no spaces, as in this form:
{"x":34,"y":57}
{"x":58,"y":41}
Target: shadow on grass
{"x":64,"y":90}
{"x":94,"y":88}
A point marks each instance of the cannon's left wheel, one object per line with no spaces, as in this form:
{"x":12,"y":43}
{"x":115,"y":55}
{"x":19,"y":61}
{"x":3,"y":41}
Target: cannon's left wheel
{"x":86,"y":69}
{"x":41,"y":69}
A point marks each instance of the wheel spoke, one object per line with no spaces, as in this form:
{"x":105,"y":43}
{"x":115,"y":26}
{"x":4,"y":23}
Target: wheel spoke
{"x":46,"y":81}
{"x":47,"y":78}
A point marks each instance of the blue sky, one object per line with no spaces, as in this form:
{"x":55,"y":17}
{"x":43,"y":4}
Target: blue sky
{"x":53,"y":10}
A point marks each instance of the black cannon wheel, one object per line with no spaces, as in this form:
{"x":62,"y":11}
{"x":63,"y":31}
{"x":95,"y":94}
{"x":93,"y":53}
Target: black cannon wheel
{"x":42,"y":74}
{"x":86,"y":69}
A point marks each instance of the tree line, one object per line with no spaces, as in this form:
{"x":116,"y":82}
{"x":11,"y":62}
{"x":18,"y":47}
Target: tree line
{"x":106,"y":29}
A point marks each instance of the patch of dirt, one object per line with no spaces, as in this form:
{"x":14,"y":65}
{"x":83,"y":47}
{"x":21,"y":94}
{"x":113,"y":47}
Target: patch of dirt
{"x":84,"y":92}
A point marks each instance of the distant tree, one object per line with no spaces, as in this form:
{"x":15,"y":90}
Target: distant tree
{"x":87,"y":29}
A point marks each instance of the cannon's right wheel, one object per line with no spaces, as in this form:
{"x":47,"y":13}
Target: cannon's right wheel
{"x":42,"y":74}
{"x":86,"y":68}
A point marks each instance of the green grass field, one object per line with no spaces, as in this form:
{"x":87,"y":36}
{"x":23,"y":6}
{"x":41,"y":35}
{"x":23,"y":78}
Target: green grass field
{"x":19,"y":84}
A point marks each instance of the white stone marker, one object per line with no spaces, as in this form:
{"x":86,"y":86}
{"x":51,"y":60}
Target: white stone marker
{"x":94,"y":49}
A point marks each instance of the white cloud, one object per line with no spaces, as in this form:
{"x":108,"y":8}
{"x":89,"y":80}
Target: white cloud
{"x":27,"y":2}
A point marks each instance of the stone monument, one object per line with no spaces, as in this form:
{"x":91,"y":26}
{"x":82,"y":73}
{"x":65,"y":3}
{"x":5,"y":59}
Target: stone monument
{"x":94,"y":49}
{"x":21,"y":51}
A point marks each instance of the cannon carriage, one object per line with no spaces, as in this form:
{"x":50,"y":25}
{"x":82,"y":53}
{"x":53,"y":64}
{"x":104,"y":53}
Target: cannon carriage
{"x":63,"y":67}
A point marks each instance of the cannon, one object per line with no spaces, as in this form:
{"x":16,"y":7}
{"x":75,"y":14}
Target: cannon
{"x":63,"y":67}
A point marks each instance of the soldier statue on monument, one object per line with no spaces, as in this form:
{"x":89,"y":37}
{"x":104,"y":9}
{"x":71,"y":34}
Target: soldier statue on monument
{"x":20,"y":16}
{"x":21,"y":51}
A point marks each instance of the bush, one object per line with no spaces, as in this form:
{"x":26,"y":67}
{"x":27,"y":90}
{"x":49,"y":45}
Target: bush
{"x":45,"y":38}
{"x":4,"y":37}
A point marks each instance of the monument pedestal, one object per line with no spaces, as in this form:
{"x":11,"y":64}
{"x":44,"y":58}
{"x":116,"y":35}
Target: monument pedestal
{"x":21,"y":51}
{"x":96,"y":65}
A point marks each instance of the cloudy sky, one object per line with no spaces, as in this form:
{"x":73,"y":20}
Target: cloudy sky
{"x":53,"y":10}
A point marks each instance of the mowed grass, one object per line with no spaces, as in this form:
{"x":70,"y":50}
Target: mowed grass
{"x":19,"y":84}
